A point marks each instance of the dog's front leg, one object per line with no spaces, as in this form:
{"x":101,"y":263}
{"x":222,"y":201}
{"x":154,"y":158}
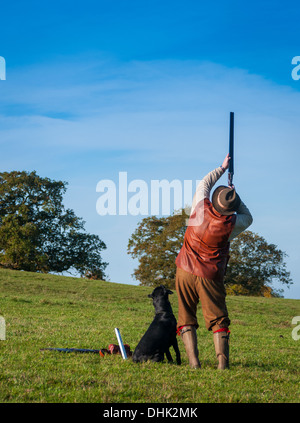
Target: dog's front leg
{"x":177,"y":352}
{"x":169,"y":357}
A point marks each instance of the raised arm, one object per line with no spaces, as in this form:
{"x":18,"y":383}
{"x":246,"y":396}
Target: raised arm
{"x":206,"y":184}
{"x":243,"y":220}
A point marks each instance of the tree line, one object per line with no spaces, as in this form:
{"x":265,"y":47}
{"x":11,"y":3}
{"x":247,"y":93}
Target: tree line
{"x":253,"y":266}
{"x":38,"y":234}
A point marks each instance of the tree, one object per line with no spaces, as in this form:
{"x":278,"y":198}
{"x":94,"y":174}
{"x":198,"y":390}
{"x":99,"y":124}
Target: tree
{"x":38,"y":234}
{"x":156,"y":243}
{"x":253,"y":264}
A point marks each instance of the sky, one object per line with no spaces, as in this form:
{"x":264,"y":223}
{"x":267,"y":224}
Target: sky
{"x":97,"y":88}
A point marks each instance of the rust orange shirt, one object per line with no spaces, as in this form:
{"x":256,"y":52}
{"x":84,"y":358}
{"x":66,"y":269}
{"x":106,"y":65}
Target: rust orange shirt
{"x":205,"y":249}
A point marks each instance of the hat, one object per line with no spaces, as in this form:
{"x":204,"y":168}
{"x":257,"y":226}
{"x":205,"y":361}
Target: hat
{"x":225,"y":200}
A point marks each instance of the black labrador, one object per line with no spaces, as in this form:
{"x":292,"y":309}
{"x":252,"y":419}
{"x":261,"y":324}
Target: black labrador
{"x":161,"y":334}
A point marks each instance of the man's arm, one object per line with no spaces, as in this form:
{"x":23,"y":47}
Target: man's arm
{"x":205,"y":186}
{"x":243,"y":220}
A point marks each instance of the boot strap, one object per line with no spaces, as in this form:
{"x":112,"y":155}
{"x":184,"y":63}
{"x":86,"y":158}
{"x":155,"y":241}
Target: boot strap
{"x":223,"y":355}
{"x":184,"y":331}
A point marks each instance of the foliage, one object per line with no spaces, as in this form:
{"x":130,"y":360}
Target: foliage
{"x":156,"y":243}
{"x":37,"y":233}
{"x":253,"y":264}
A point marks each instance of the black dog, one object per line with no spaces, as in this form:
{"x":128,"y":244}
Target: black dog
{"x":161,"y":334}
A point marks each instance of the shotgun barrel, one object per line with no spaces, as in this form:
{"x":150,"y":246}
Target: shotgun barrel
{"x":231,"y":150}
{"x":70,"y":350}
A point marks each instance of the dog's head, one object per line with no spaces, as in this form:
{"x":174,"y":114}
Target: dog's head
{"x":160,"y":291}
{"x":160,"y":298}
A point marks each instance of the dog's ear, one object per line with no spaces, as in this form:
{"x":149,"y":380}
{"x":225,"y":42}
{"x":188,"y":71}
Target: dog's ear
{"x":167,"y":291}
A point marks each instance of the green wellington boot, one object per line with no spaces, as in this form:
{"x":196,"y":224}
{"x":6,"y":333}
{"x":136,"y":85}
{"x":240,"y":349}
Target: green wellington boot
{"x":221,"y":341}
{"x":189,"y":337}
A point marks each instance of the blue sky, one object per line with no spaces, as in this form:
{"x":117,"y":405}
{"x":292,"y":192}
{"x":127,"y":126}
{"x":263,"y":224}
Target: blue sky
{"x":102,"y":87}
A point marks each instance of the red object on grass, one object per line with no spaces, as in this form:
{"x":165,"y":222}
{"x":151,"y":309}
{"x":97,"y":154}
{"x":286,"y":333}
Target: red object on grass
{"x":115,"y":349}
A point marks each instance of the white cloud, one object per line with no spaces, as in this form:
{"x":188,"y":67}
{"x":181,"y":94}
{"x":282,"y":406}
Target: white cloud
{"x":172,"y":119}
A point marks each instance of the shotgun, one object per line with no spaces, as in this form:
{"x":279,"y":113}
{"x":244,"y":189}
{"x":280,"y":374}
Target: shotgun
{"x":231,"y":151}
{"x":112,"y":349}
{"x":77,"y":350}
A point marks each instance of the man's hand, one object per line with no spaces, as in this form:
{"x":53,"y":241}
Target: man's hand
{"x":225,"y":164}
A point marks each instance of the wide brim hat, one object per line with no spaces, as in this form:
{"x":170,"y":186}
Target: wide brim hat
{"x":225,"y":200}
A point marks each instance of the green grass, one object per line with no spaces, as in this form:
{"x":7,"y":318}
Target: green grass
{"x":53,"y":311}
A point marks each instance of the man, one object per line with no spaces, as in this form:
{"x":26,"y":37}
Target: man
{"x":202,"y":261}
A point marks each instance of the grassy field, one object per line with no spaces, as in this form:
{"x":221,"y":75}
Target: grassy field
{"x":52,"y":311}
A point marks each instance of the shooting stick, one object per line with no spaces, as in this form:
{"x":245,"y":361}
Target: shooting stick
{"x":121,"y":345}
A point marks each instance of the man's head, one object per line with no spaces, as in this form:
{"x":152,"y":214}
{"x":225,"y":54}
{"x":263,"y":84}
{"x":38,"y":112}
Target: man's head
{"x":225,"y":200}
